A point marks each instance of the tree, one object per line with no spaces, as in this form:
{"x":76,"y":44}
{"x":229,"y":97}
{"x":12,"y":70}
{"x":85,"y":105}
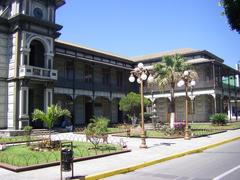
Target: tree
{"x":167,"y":74}
{"x":131,"y":104}
{"x":232,"y":11}
{"x":50,"y":117}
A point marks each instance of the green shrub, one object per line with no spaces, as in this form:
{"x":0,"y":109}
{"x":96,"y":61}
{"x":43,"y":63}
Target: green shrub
{"x":28,"y":130}
{"x":219,"y":119}
{"x":96,"y":130}
{"x":167,"y":130}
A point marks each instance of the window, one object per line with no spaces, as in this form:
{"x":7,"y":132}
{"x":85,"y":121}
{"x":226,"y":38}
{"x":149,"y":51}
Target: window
{"x":88,"y":74}
{"x":69,"y":70}
{"x":106,"y":76}
{"x":119,"y":79}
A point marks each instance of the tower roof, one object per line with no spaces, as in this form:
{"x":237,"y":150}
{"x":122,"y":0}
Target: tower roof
{"x":59,"y":3}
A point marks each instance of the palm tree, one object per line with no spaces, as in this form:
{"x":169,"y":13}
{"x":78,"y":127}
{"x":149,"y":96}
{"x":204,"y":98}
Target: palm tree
{"x":167,"y":73}
{"x":50,"y":117}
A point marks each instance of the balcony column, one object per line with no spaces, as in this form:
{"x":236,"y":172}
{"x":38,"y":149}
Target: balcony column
{"x":48,"y":95}
{"x":214,"y":102}
{"x":93,"y":89}
{"x":214,"y":76}
{"x":235,"y":98}
{"x":48,"y":60}
{"x":23,"y":102}
{"x":221,"y":103}
{"x":229,"y":100}
{"x":24,"y":56}
{"x":110,"y":107}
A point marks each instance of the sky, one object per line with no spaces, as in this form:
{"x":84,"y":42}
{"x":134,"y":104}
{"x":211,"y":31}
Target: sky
{"x":139,"y":27}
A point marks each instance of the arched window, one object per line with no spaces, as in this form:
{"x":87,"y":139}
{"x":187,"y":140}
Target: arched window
{"x":36,"y":54}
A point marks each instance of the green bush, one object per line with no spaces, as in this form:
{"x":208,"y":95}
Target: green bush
{"x":131,"y":104}
{"x":28,"y":130}
{"x":219,"y":119}
{"x":96,"y":130}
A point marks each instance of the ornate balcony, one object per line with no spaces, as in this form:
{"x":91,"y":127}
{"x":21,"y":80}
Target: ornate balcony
{"x":37,"y":72}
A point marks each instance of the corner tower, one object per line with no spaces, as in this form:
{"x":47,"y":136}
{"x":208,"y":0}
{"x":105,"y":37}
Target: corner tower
{"x":28,"y":30}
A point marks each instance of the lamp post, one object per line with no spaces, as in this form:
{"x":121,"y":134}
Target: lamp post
{"x":192,"y":102}
{"x":187,"y":80}
{"x":142,"y":74}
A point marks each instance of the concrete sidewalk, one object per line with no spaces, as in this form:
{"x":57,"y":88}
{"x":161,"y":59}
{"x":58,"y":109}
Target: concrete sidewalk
{"x":157,"y":149}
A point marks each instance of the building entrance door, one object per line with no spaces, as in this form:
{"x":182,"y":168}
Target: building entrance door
{"x":36,"y":101}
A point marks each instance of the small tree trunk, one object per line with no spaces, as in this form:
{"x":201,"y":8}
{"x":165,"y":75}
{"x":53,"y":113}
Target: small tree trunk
{"x":172,"y":107}
{"x":49,"y":136}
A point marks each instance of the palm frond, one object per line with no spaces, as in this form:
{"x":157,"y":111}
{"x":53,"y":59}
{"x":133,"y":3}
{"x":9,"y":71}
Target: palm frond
{"x":169,"y":71}
{"x":53,"y":113}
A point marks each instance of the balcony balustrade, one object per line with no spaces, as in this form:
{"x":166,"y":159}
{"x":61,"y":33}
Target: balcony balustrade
{"x":97,"y":86}
{"x":199,"y":85}
{"x":41,"y":73}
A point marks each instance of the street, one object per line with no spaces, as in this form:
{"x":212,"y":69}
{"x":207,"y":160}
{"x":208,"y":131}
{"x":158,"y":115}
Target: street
{"x":218,"y":163}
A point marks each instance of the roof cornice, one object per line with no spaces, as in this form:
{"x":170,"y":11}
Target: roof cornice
{"x":94,"y":51}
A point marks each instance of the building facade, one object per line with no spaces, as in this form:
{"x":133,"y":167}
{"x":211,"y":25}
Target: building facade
{"x":36,"y":70}
{"x":216,"y":90}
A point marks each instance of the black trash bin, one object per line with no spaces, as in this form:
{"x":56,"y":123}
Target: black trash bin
{"x":67,"y":159}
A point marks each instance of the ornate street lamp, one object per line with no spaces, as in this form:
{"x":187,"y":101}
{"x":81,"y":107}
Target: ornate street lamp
{"x":188,"y":80}
{"x":142,"y":74}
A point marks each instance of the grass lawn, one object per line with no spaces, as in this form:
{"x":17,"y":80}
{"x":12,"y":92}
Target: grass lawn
{"x":232,"y":125}
{"x":111,"y":130}
{"x":162,"y":134}
{"x":115,"y":130}
{"x":16,"y":139}
{"x":22,"y":155}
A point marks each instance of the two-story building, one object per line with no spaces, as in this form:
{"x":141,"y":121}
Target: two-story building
{"x":216,"y":90}
{"x":36,"y":70}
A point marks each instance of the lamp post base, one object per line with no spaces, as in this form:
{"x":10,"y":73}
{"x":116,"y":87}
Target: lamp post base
{"x":143,"y":145}
{"x":143,"y":139}
{"x":187,"y":135}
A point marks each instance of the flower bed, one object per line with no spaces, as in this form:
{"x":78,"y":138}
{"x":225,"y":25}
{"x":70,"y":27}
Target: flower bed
{"x":22,"y":157}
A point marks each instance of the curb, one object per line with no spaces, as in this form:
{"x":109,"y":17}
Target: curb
{"x":149,"y":163}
